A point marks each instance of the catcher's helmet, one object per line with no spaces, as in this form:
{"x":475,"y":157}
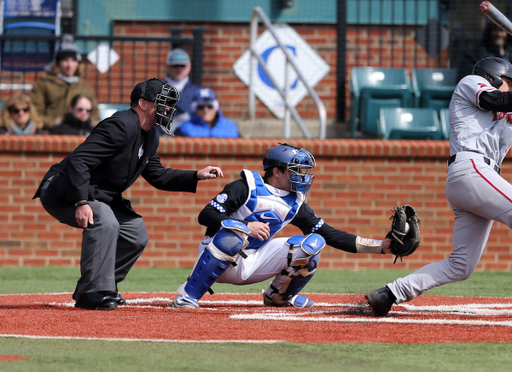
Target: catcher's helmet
{"x":164,"y":96}
{"x":299,"y":163}
{"x":495,"y":68}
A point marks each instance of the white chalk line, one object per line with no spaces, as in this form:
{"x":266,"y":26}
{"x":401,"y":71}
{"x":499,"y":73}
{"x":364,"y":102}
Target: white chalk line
{"x":162,"y":340}
{"x":293,"y":317}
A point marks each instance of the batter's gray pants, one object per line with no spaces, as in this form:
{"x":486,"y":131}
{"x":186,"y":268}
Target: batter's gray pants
{"x":478,"y":196}
{"x":110,"y":246}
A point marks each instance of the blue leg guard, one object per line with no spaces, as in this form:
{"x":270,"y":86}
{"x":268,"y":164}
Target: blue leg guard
{"x":303,"y":270}
{"x":216,"y":258}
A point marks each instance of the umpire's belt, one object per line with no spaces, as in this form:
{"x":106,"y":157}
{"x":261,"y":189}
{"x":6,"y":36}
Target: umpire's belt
{"x":474,"y":155}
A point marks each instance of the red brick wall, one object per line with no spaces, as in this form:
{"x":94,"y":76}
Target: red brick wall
{"x":357,"y":183}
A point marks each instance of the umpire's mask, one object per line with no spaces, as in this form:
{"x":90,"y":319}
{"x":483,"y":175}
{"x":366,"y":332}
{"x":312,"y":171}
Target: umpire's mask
{"x":165,"y":103}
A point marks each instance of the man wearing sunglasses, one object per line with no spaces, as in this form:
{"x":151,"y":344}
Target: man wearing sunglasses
{"x":85,"y":190}
{"x":207,"y":120}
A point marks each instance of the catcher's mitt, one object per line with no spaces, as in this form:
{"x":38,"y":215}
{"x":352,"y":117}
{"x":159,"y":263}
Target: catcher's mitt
{"x":405,"y":232}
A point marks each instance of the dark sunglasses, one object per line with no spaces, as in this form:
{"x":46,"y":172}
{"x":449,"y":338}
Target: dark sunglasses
{"x":202,"y":107}
{"x":81,"y":109}
{"x":17,"y":110}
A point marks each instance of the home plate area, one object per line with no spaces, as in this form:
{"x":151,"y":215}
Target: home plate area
{"x":244,"y":318}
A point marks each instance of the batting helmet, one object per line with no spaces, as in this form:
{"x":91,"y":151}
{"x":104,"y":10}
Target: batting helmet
{"x":299,"y":163}
{"x":493,"y":68}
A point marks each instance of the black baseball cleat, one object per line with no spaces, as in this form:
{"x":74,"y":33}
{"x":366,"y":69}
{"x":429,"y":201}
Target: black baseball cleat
{"x":95,"y":301}
{"x":120,"y":300}
{"x":380,"y":300}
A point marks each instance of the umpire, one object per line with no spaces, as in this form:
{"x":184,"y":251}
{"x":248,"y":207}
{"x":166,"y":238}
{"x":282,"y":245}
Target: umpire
{"x":85,"y":190}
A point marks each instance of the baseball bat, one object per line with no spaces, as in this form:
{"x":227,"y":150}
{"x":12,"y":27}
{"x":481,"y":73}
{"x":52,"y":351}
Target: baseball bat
{"x":496,"y":16}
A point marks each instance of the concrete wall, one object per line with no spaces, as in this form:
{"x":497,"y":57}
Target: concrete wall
{"x":357,"y":183}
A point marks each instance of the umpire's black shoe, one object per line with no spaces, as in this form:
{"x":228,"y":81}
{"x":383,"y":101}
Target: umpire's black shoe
{"x":380,"y":300}
{"x":95,"y":301}
{"x":120,"y":300}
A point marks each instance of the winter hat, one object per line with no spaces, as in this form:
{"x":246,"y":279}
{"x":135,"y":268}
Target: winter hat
{"x":68,"y":48}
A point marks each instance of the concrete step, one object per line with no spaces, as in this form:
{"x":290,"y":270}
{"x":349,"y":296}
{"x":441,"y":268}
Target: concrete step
{"x":274,"y":128}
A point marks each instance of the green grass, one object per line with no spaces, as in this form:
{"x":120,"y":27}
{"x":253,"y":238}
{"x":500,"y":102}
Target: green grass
{"x":74,"y":355}
{"x":63,"y":279}
{"x":84,"y":355}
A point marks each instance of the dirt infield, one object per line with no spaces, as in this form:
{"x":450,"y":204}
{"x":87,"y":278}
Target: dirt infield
{"x":243,"y":318}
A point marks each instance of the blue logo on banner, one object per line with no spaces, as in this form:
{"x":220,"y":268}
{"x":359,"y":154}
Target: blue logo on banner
{"x":263,"y":76}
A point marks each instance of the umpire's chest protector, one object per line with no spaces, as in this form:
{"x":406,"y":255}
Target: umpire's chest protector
{"x":268,"y":205}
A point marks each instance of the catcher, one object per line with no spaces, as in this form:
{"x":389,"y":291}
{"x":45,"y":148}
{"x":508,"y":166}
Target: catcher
{"x":239,"y":247}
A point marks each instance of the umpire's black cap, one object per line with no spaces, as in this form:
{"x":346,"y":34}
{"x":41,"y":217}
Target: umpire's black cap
{"x":147,"y":90}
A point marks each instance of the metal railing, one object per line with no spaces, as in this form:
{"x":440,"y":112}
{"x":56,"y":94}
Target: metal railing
{"x":139,"y":58}
{"x":290,"y":62}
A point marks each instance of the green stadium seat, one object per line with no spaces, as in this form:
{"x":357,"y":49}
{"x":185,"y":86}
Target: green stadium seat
{"x":445,"y":122}
{"x":409,"y":123}
{"x":433,"y":87}
{"x":373,"y":88}
{"x":108,"y":109}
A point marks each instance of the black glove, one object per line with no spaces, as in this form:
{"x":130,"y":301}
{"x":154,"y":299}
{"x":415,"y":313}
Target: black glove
{"x":405,"y":232}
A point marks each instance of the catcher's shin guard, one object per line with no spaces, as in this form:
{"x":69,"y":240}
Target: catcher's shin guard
{"x":216,"y":258}
{"x":302,"y":271}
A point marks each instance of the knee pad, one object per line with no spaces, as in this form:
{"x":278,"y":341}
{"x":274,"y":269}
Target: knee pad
{"x":302,"y":269}
{"x":216,"y":258}
{"x":229,"y":240}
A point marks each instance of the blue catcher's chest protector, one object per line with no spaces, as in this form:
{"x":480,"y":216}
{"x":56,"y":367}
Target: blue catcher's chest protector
{"x":267,"y":204}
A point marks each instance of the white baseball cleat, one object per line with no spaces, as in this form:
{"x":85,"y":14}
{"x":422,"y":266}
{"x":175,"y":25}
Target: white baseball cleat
{"x":185,"y":302}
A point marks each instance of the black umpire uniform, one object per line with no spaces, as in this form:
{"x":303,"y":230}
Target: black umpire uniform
{"x":98,"y":171}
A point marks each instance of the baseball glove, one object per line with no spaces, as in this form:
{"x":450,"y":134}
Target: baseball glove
{"x":405,"y":232}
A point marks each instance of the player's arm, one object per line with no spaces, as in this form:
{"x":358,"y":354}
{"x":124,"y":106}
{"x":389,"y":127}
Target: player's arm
{"x":308,"y":222}
{"x":220,"y":208}
{"x":496,"y":100}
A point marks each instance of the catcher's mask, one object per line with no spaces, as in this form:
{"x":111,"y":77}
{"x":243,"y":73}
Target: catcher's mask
{"x":298,"y":161}
{"x":164,"y":97}
{"x":495,"y":68}
{"x":165,"y":103}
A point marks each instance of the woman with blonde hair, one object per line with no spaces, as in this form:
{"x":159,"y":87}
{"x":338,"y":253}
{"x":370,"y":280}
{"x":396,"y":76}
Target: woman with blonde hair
{"x":19,"y":117}
{"x":53,"y":93}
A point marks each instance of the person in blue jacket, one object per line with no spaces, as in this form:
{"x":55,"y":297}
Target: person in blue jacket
{"x":207,"y":120}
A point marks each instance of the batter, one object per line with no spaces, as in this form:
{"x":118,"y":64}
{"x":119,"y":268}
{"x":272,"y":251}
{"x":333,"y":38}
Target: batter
{"x":480,"y":137}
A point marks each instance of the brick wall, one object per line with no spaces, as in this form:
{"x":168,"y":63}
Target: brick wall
{"x":357,"y":183}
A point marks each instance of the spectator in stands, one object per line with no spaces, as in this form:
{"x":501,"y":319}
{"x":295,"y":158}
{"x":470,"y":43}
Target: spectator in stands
{"x":19,"y":117}
{"x":52,"y":94}
{"x":77,"y":121}
{"x":178,"y":68}
{"x":207,"y":120}
{"x":495,"y":43}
